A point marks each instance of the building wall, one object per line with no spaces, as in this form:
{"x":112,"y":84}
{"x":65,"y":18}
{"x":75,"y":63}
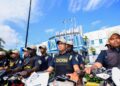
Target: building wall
{"x":75,"y":35}
{"x":102,"y":34}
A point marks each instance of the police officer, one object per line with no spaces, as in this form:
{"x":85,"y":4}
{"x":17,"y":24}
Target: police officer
{"x":108,"y":58}
{"x":3,"y":67}
{"x":30,"y":60}
{"x":15,"y":62}
{"x":77,"y":56}
{"x":64,"y":63}
{"x":27,"y":62}
{"x":33,"y":49}
{"x":3,"y":61}
{"x":45,"y":58}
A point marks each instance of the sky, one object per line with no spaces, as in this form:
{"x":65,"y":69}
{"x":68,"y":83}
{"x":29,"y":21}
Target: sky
{"x":47,"y":18}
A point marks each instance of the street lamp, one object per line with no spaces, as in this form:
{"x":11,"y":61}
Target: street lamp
{"x":28,"y":24}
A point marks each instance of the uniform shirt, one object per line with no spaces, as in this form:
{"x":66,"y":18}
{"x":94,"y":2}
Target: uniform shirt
{"x":3,"y":62}
{"x":34,"y":59}
{"x":14,"y":63}
{"x":77,"y":56}
{"x":109,"y":58}
{"x":63,"y":64}
{"x":44,"y":62}
{"x":27,"y":63}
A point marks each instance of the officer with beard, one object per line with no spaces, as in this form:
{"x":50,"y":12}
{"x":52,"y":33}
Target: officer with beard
{"x":45,"y":58}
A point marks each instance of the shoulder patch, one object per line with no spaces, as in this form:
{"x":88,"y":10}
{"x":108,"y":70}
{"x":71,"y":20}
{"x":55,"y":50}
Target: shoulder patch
{"x":39,"y":62}
{"x":20,"y":62}
{"x":46,"y":57}
{"x":76,"y":58}
{"x":70,"y":58}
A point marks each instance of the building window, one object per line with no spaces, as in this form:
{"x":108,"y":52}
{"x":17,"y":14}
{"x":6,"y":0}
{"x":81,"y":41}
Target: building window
{"x":92,"y":41}
{"x":100,"y":41}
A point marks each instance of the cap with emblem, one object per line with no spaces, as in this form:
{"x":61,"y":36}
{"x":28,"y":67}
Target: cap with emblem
{"x":61,"y":40}
{"x":111,"y":33}
{"x":15,"y":52}
{"x":42,"y":46}
{"x":32,"y":47}
{"x":69,"y":42}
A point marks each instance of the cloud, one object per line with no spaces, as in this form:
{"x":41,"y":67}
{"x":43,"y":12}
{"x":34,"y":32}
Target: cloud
{"x":104,"y":27}
{"x":95,"y":22}
{"x":92,"y":5}
{"x":10,"y":36}
{"x":75,"y":5}
{"x":88,"y":5}
{"x":49,"y":30}
{"x":16,"y":12}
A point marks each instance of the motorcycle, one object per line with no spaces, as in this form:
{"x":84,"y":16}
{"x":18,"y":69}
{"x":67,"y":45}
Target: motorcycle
{"x":10,"y":79}
{"x":36,"y":79}
{"x":110,"y":77}
{"x":116,"y":76}
{"x":62,"y":80}
{"x":42,"y":79}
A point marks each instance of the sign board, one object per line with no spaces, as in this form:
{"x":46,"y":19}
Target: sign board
{"x":52,"y":45}
{"x":37,"y":79}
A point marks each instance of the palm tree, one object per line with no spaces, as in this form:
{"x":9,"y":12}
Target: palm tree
{"x":92,"y":50}
{"x":85,"y":38}
{"x":1,"y":42}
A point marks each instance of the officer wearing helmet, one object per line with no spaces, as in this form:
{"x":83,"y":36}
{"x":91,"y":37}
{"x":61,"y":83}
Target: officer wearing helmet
{"x":64,"y":63}
{"x":45,"y":59}
{"x":29,"y":63}
{"x":75,"y":54}
{"x":15,"y":62}
{"x":108,"y":58}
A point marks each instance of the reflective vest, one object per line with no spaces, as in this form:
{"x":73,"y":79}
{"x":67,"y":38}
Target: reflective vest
{"x":27,"y":63}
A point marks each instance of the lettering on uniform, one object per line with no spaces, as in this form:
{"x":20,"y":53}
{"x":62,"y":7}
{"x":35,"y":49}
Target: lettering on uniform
{"x":11,"y":64}
{"x":27,"y":67}
{"x":61,"y":60}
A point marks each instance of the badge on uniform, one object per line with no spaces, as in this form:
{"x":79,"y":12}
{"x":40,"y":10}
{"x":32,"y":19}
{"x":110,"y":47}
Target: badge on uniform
{"x":39,"y":61}
{"x":46,"y":57}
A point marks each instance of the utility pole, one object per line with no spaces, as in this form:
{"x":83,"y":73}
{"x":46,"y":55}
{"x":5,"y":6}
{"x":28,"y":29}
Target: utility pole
{"x":28,"y":24}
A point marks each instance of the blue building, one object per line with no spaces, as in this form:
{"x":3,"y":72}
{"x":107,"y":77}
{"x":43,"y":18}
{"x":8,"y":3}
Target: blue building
{"x":74,"y":35}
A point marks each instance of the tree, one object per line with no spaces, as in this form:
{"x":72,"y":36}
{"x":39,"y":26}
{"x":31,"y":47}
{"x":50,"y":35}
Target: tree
{"x":1,"y":43}
{"x":85,"y":38}
{"x":92,"y":50}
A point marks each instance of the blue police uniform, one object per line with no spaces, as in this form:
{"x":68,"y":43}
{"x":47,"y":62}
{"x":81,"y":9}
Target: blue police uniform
{"x":63,"y":64}
{"x":27,"y":63}
{"x":29,"y":66}
{"x":30,"y":63}
{"x":15,"y":63}
{"x":77,"y":56}
{"x":3,"y":62}
{"x":44,"y":62}
{"x":109,"y":58}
